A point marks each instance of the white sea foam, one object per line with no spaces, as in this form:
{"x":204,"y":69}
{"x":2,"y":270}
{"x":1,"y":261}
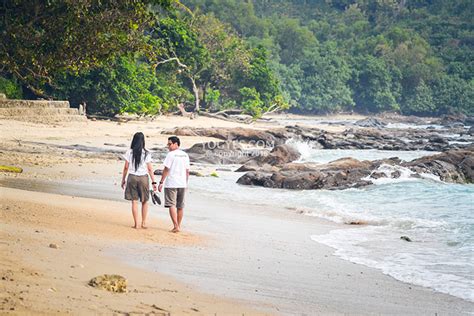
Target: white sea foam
{"x":409,"y":262}
{"x":311,"y":152}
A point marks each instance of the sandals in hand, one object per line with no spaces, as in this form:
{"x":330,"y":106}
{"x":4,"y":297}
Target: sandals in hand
{"x":155,"y":198}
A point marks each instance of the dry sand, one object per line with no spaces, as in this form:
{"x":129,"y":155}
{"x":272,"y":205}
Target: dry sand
{"x":38,"y":279}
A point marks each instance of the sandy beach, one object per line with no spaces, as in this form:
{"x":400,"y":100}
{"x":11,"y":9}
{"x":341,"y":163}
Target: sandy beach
{"x":231,"y":258}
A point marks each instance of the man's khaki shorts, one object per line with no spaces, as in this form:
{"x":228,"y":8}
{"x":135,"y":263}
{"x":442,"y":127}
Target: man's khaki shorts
{"x":138,"y":188}
{"x":174,"y":197}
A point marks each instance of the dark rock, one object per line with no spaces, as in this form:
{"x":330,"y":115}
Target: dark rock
{"x":471,"y":131}
{"x":451,"y":166}
{"x":258,"y":138}
{"x":370,"y":122}
{"x":456,"y":125}
{"x":253,"y":178}
{"x":227,"y":152}
{"x":406,"y":238}
{"x":456,"y":165}
{"x":437,"y":139}
{"x":279,"y":155}
{"x":448,"y":119}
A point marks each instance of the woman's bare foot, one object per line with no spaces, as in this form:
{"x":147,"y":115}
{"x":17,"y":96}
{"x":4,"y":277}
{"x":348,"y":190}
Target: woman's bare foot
{"x":175,"y":230}
{"x":135,"y":227}
{"x":144,"y":226}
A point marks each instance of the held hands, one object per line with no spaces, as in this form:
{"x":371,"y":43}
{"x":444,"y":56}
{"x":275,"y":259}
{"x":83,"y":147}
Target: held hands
{"x":155,"y":187}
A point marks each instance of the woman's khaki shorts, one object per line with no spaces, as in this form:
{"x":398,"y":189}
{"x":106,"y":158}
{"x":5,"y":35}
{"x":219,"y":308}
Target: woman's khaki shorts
{"x":137,"y":188}
{"x":174,"y":197}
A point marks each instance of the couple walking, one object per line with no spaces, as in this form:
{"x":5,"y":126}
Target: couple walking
{"x":174,"y":179}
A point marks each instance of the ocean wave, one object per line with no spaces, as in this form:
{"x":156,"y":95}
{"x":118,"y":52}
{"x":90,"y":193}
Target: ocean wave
{"x":408,"y":262}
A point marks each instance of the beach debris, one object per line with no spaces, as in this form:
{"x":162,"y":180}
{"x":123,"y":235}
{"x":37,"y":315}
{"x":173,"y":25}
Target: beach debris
{"x":54,"y":246}
{"x":196,"y":173}
{"x":406,"y":238}
{"x":110,"y":282}
{"x":77,"y":266}
{"x":13,"y":169}
{"x":356,"y":223}
{"x":158,"y":308}
{"x":214,"y":174}
{"x":52,"y":289}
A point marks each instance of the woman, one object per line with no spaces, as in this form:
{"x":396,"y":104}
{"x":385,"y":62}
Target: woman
{"x":138,"y":166}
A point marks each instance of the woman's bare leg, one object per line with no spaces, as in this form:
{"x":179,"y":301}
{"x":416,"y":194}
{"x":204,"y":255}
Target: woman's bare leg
{"x":135,"y":212}
{"x":144,"y":213}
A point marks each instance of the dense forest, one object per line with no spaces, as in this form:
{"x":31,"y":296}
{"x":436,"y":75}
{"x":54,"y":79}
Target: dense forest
{"x":304,"y":56}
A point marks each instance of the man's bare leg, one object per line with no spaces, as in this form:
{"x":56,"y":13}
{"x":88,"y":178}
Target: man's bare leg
{"x":135,"y":212}
{"x":144,"y":214}
{"x":180,"y":217}
{"x":174,"y":219}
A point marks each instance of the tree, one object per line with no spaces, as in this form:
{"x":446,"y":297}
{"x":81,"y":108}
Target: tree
{"x":373,"y":85}
{"x":420,"y":101}
{"x":41,"y":39}
{"x":126,"y":84}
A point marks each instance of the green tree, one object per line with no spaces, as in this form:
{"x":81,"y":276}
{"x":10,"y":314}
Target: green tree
{"x":10,"y":88}
{"x":124,"y":85}
{"x":420,"y":101}
{"x":41,"y":39}
{"x":373,"y":85}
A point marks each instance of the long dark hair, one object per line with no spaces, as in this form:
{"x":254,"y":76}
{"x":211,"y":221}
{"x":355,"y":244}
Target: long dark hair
{"x":138,"y":146}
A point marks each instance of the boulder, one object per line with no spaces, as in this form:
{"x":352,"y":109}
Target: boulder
{"x":456,"y":165}
{"x":451,"y":166}
{"x":370,"y":122}
{"x":226,"y":152}
{"x":470,"y":132}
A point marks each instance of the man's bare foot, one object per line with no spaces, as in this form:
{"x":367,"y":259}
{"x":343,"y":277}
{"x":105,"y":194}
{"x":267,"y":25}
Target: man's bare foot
{"x":135,"y":227}
{"x":175,"y":230}
{"x":144,"y":226}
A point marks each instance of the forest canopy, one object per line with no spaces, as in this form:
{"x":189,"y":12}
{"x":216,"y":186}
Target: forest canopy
{"x":146,"y":57}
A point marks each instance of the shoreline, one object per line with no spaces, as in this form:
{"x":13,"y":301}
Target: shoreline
{"x":251,"y":265}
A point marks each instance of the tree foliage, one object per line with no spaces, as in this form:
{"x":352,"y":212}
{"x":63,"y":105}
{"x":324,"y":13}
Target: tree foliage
{"x":322,"y":56}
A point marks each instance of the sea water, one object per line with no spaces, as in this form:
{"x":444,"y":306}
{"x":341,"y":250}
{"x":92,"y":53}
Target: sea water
{"x":437,"y":217}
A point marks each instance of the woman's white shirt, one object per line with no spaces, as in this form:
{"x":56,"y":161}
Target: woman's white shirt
{"x":142,"y":168}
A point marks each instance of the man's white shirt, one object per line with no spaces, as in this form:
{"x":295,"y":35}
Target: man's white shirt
{"x":177,"y":161}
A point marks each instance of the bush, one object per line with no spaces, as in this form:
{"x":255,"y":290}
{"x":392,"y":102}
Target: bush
{"x":10,"y":88}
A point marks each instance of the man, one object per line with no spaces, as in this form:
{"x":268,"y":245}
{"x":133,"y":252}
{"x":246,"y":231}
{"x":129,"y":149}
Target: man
{"x":175,"y":179}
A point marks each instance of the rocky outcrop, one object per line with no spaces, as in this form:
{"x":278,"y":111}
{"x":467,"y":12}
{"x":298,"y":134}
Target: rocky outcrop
{"x":226,"y":152}
{"x":450,"y":119}
{"x":370,"y":122}
{"x":352,"y":138}
{"x":247,"y":135}
{"x":279,"y":155}
{"x":340,"y":174}
{"x":451,"y":166}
